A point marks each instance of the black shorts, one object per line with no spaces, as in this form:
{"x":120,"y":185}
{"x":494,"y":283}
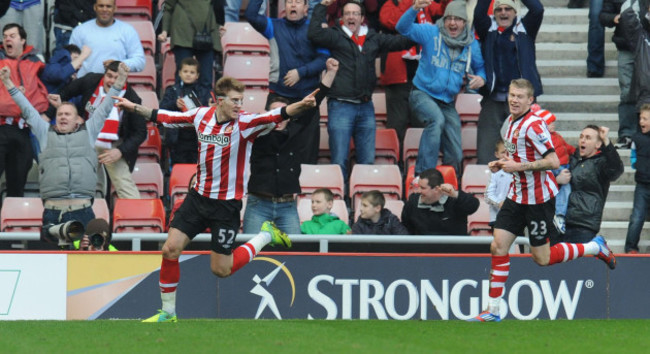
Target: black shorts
{"x":198,"y":213}
{"x":514,"y":217}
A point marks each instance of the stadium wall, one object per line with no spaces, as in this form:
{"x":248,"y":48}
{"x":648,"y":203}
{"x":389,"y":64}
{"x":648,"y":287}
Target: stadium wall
{"x":124,"y":285}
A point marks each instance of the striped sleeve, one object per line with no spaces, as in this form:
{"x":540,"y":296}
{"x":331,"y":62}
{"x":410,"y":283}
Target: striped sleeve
{"x":254,"y":125}
{"x":540,"y":138}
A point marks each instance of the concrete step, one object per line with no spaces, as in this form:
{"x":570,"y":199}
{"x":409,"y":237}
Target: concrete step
{"x":617,"y":211}
{"x":572,"y":68}
{"x":616,"y":231}
{"x":620,"y":193}
{"x":580,"y":103}
{"x":580,"y":86}
{"x":570,"y":51}
{"x":564,"y":16}
{"x":568,"y":33}
{"x":577,"y":121}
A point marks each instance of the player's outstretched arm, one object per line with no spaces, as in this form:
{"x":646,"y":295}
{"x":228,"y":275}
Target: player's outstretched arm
{"x":127,"y":105}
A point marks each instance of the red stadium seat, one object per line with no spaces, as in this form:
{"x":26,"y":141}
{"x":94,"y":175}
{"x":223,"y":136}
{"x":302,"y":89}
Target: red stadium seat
{"x":147,"y":34}
{"x":478,"y":224}
{"x":125,"y":9}
{"x":21,"y":214}
{"x":138,"y":215}
{"x":411,"y":146}
{"x":179,"y":180}
{"x":324,"y":154}
{"x":386,"y":147}
{"x":468,"y":143}
{"x":379,"y":102}
{"x":149,"y":98}
{"x":148,"y":177}
{"x":255,"y":100}
{"x":323,"y":112}
{"x":475,"y":179}
{"x":168,"y":76}
{"x":100,"y":208}
{"x":468,"y":106}
{"x":339,"y":208}
{"x":149,"y":150}
{"x":241,"y":37}
{"x":251,"y":70}
{"x":385,"y":178}
{"x":313,"y":177}
{"x":146,"y":77}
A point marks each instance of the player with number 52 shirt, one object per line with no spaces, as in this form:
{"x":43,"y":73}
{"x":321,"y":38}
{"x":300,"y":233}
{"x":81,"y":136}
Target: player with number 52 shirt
{"x":531,"y":200}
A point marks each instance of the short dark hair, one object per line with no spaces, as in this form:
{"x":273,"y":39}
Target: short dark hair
{"x":374,"y":197}
{"x":433,"y":176}
{"x":358,"y":3}
{"x":113,"y":66}
{"x":326,"y":192}
{"x":72,"y":49}
{"x":190,"y":61}
{"x":275,"y":99}
{"x":596,"y":128}
{"x":226,"y":84}
{"x":21,"y":30}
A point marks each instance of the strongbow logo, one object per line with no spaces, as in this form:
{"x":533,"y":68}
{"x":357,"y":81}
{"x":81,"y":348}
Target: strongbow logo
{"x":267,"y":299}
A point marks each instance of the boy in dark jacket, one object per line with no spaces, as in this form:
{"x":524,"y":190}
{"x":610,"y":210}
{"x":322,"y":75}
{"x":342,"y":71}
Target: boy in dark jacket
{"x":641,"y":162}
{"x":375,"y":219}
{"x":183,"y":96}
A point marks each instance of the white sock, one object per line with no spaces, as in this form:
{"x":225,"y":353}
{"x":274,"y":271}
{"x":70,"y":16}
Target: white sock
{"x":169,"y":302}
{"x":262,"y":239}
{"x":591,"y":248}
{"x":493,"y":305}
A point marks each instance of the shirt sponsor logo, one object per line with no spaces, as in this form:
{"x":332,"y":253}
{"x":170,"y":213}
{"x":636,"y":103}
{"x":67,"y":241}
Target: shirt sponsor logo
{"x":218,"y":139}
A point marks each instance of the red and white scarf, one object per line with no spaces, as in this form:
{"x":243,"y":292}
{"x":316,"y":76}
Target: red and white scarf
{"x":358,"y":39}
{"x":414,"y":52}
{"x":108,"y":134}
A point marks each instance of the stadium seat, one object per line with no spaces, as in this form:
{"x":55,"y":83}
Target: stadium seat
{"x":313,"y":177}
{"x":251,"y":70}
{"x":149,"y":150}
{"x":146,"y":77}
{"x":338,"y":207}
{"x":324,"y":153}
{"x":21,"y":214}
{"x":323,"y":112}
{"x":148,"y":177}
{"x":475,"y":179}
{"x":138,"y":215}
{"x":179,"y":180}
{"x":149,"y":98}
{"x":411,"y":146}
{"x":147,"y":34}
{"x":381,"y":114}
{"x":386,"y":148}
{"x":255,"y":100}
{"x":395,"y":207}
{"x":478,"y":224}
{"x":468,"y":143}
{"x":241,"y":37}
{"x":100,"y":208}
{"x":468,"y":106}
{"x":125,"y":9}
{"x":385,"y":178}
{"x":168,"y":75}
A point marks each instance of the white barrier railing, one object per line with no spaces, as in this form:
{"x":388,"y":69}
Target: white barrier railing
{"x":323,"y":240}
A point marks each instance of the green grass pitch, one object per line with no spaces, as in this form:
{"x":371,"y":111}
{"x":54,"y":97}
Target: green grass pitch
{"x":320,"y":336}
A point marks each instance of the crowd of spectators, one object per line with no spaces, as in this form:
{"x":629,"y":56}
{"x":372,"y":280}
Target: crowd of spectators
{"x":430,"y":51}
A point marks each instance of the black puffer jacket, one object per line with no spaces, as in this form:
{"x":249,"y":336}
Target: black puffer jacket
{"x":388,"y":224}
{"x":611,"y":8}
{"x":590,"y":178}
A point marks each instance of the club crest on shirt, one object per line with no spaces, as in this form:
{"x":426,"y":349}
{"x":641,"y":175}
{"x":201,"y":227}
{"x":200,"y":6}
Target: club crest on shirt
{"x":228,"y":129}
{"x":218,"y":139}
{"x":510,"y":147}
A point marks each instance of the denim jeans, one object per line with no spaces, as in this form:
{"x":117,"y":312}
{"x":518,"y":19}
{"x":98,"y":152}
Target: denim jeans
{"x":346,"y":120}
{"x":627,"y":118}
{"x":639,"y":211}
{"x":51,"y":216}
{"x":62,"y":38}
{"x":232,"y":10}
{"x":258,"y":210}
{"x":562,"y":197}
{"x":595,"y":40}
{"x":441,"y":131}
{"x":206,"y":63}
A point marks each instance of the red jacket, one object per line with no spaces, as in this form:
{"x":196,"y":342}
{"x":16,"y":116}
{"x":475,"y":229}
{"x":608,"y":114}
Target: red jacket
{"x":563,"y":150}
{"x":25,"y":72}
{"x":390,"y":13}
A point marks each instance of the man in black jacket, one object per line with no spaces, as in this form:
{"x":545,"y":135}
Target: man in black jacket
{"x":275,"y":168}
{"x":594,"y":165}
{"x":349,"y":106}
{"x":123,"y":132}
{"x":438,"y":209}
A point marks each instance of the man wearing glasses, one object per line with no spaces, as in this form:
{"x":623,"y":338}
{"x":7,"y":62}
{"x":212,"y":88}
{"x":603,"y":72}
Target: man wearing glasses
{"x":508,"y":46}
{"x":350,"y":111}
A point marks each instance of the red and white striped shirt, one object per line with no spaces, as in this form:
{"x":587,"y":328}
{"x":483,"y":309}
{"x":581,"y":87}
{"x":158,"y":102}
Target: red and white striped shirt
{"x":527,"y":139}
{"x":224,"y":149}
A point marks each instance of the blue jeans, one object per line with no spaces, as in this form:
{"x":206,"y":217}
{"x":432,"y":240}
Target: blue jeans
{"x":51,"y":216}
{"x":595,"y":40}
{"x":258,"y":210}
{"x":206,"y":62}
{"x":232,"y":10}
{"x":346,"y":120}
{"x":62,"y":38}
{"x":562,"y":197}
{"x":639,"y":211}
{"x":441,"y":130}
